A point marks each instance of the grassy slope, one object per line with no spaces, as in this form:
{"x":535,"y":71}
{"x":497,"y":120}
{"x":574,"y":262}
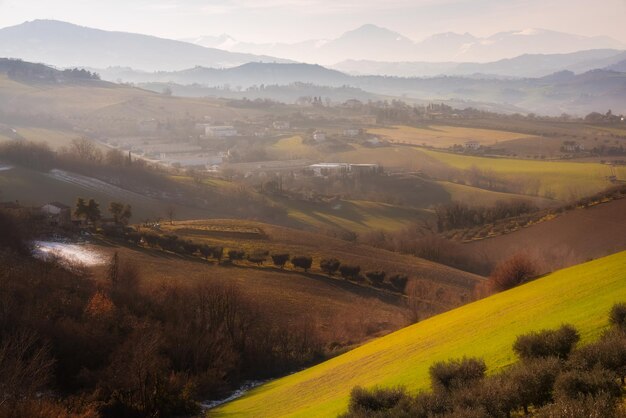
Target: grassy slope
{"x":580,"y":295}
{"x":34,"y":188}
{"x":558,"y":179}
{"x":564,"y":179}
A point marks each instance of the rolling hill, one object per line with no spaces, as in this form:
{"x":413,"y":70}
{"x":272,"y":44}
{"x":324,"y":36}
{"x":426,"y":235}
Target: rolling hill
{"x":554,"y":94}
{"x":346,"y":312}
{"x":67,"y":45}
{"x":581,"y":295}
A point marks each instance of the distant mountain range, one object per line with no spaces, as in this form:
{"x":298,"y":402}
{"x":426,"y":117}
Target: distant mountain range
{"x":561,"y":92}
{"x":66,"y":45}
{"x":373,"y":43}
{"x":527,"y":65}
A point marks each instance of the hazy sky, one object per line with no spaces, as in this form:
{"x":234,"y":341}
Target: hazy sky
{"x":295,"y":20}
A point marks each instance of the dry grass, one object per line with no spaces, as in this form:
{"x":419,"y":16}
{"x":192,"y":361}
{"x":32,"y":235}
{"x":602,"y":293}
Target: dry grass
{"x":439,"y":136}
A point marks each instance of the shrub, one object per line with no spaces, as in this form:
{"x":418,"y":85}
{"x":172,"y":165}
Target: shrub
{"x":217,"y":253}
{"x":547,"y":343}
{"x":454,"y":374}
{"x":601,"y":406}
{"x":257,"y":258}
{"x":302,"y":262}
{"x":190,"y":247}
{"x":349,"y":272}
{"x":330,"y":265}
{"x":375,"y":400}
{"x":134,"y":237}
{"x":169,"y":243}
{"x":376,"y":277}
{"x":280,"y":259}
{"x":236,"y":255}
{"x":399,"y":281}
{"x":617,"y":316}
{"x":609,"y":352}
{"x":533,"y":381}
{"x":151,"y":239}
{"x":512,"y":272}
{"x":575,"y":384}
{"x":492,"y":397}
{"x":206,"y":251}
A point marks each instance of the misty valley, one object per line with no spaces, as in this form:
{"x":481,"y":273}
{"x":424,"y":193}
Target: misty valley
{"x":341,"y":222}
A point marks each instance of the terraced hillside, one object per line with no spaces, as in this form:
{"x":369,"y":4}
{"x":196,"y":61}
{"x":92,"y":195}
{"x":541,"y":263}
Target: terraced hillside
{"x":580,"y":295}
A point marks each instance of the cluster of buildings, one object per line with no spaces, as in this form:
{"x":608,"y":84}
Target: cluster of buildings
{"x":329,"y":169}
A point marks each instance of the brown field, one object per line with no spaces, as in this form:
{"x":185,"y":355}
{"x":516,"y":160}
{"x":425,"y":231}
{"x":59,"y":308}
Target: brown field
{"x":572,"y":238}
{"x":295,"y":242}
{"x":347,"y":312}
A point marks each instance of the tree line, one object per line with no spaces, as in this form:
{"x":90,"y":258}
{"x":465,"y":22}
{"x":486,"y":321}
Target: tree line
{"x":331,"y":266}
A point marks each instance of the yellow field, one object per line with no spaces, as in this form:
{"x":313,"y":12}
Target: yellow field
{"x":580,"y":295}
{"x":474,"y":196}
{"x":292,"y":148}
{"x":561,"y":180}
{"x":443,"y":136}
{"x":356,"y":216}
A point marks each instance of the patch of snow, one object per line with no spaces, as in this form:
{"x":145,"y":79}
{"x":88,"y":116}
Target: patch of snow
{"x":5,"y":167}
{"x":236,"y":394}
{"x":68,"y":252}
{"x":527,"y":32}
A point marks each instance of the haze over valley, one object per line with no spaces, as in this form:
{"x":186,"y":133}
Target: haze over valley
{"x":312,"y":208}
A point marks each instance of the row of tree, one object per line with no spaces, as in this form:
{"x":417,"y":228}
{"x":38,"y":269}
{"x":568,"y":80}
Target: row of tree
{"x":330,"y":266}
{"x":551,"y":379}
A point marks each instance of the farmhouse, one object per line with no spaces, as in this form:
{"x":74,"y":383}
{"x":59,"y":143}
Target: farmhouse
{"x":57,"y":213}
{"x":218,"y":131}
{"x":319,"y":136}
{"x":351,"y":132}
{"x":572,"y":146}
{"x":281,"y":125}
{"x":472,"y":145}
{"x":326,"y":169}
{"x":360,"y":169}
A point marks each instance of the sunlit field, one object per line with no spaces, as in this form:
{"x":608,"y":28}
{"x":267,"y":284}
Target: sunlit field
{"x":580,"y":295}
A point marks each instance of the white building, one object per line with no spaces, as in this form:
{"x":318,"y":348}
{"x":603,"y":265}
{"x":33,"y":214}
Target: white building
{"x":352,"y":132}
{"x":364,"y":168}
{"x":473,"y":145}
{"x":326,"y":169}
{"x":319,"y":136}
{"x":220,"y":131}
{"x":281,"y":125}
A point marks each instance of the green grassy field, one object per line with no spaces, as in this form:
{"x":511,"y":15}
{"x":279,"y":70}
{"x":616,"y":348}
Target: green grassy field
{"x":581,"y":295}
{"x":562,"y":180}
{"x":475,"y":196}
{"x":355,"y":215}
